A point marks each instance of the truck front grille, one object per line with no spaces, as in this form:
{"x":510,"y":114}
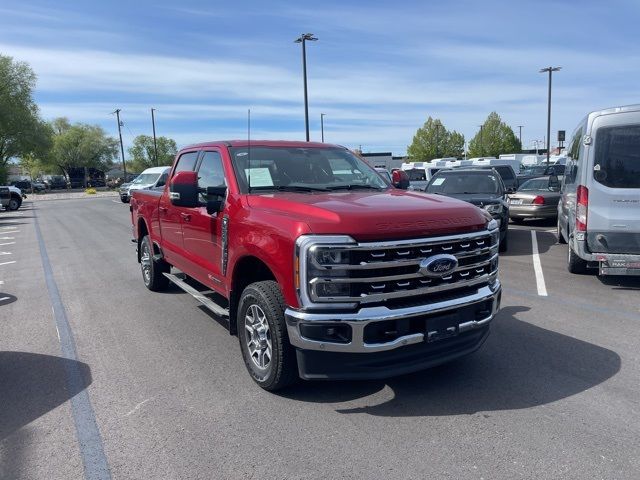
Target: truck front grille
{"x":381,"y":272}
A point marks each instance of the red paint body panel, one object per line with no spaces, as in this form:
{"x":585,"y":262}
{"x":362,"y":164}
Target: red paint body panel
{"x":267,"y":225}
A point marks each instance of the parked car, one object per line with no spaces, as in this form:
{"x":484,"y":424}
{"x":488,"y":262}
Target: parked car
{"x":535,"y":198}
{"x":598,"y":214}
{"x":507,"y":174}
{"x":417,"y":178}
{"x":28,"y":186}
{"x":151,"y":178}
{"x":15,"y":198}
{"x":320,"y":277}
{"x":57,"y":182}
{"x":536,"y":171}
{"x":481,"y":187}
{"x":5,"y":196}
{"x":384,"y":173}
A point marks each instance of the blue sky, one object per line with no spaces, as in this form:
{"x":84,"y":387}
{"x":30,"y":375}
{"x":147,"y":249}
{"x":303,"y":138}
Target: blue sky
{"x":378,"y":70}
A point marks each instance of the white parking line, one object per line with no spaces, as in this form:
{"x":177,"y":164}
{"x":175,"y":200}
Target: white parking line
{"x":7,"y":263}
{"x":8,"y":243}
{"x":537,"y":266}
{"x":5,"y":253}
{"x":7,"y":238}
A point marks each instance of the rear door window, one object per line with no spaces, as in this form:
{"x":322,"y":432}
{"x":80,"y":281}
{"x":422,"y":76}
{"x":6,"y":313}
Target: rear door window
{"x":617,"y":157}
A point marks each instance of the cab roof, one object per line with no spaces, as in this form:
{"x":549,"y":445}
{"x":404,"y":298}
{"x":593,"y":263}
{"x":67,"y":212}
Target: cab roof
{"x":262,"y":143}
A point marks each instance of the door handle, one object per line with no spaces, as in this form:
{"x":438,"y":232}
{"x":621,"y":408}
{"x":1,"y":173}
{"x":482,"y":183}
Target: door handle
{"x":186,"y":217}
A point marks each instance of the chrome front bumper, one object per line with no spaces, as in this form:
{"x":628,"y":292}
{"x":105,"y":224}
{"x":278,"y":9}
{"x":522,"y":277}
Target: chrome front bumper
{"x":366,"y":315}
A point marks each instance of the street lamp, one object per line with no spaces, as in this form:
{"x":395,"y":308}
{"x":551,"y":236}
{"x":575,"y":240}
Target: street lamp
{"x":322,"y":125}
{"x":155,"y":145}
{"x":481,"y":144}
{"x":438,"y":125}
{"x":305,"y":37}
{"x":520,"y":136}
{"x":550,"y":70}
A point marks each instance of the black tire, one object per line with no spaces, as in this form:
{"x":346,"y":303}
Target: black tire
{"x":517,"y":220}
{"x":14,"y":203}
{"x":281,"y":369}
{"x":561,"y":238}
{"x":152,"y":271}
{"x":124,"y":200}
{"x":504,"y":243}
{"x":574,"y":263}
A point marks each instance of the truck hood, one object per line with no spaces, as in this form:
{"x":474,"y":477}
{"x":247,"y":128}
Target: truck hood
{"x":369,"y":215}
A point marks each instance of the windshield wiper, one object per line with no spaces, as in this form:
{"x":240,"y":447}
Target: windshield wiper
{"x":290,"y":188}
{"x":354,"y":186}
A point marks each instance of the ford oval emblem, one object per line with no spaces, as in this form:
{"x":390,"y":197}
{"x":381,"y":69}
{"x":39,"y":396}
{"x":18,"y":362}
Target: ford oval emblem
{"x":438,"y":266}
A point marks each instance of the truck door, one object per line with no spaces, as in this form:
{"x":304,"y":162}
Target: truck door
{"x":171,"y":216}
{"x":202,"y":231}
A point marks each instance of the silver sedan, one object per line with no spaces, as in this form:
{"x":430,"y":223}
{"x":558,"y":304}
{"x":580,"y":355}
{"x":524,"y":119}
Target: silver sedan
{"x":535,"y":198}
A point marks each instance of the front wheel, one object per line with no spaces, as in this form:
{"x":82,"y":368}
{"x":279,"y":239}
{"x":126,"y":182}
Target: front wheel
{"x":262,"y":333}
{"x":152,"y":271}
{"x":14,"y":203}
{"x":504,"y":243}
{"x":561,"y":238}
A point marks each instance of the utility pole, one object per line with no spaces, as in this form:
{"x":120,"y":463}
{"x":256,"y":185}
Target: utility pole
{"x":520,"y":136}
{"x":322,"y":125}
{"x":124,"y":167}
{"x":481,"y":144}
{"x":550,"y":70}
{"x":438,"y":125}
{"x":155,"y":145}
{"x":303,"y":39}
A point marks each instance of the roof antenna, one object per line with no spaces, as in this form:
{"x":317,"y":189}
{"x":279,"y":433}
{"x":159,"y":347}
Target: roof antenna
{"x":249,"y":150}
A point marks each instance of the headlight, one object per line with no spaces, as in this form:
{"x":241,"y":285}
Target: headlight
{"x":318,"y":260}
{"x":493,"y":208}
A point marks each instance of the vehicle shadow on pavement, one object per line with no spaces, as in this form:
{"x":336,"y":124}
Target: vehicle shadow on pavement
{"x":520,"y":366}
{"x":6,"y":299}
{"x":520,"y":242}
{"x":32,"y":385}
{"x":620,"y":282}
{"x":12,"y":223}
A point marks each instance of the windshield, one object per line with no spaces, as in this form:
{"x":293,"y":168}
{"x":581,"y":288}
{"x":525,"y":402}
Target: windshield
{"x":417,"y":174}
{"x":535,"y":184}
{"x":146,"y":179}
{"x":539,"y":170}
{"x":302,"y":169}
{"x":465,"y":183}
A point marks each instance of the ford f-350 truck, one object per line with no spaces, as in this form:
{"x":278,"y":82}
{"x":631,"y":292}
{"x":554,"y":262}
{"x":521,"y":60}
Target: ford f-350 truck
{"x":322,"y":268}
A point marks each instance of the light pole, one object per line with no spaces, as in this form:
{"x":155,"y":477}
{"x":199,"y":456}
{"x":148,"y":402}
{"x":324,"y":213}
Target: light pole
{"x":124,"y":167}
{"x":305,"y":37}
{"x":550,"y":70}
{"x":322,"y":125}
{"x":438,"y":125}
{"x":481,"y":144}
{"x":155,"y":145}
{"x":520,"y":136}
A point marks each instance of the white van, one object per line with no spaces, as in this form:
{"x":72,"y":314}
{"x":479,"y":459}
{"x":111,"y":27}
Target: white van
{"x":151,"y":178}
{"x":599,"y":212}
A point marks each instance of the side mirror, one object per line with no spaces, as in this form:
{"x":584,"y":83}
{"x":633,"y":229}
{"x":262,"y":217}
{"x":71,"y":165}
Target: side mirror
{"x":183,"y":189}
{"x":215,"y":199}
{"x":400,"y":179}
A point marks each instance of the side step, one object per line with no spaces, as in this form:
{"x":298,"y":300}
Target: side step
{"x":207,"y":302}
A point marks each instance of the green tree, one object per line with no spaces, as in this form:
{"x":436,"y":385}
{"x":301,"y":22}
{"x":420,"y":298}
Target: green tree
{"x":142,"y":153}
{"x":433,"y":140}
{"x":81,"y":145}
{"x":22,"y":131}
{"x":494,"y":138}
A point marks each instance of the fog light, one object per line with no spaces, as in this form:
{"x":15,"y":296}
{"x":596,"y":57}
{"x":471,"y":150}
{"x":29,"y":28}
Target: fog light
{"x":326,"y":333}
{"x":330,"y":289}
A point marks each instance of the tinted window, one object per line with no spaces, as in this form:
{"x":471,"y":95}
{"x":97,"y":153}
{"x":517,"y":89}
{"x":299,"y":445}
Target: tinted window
{"x":534,"y":184}
{"x":186,"y":162}
{"x":505,"y":172}
{"x":467,"y":182}
{"x":416,"y":174}
{"x":210,"y":173}
{"x":571,"y":169}
{"x":617,"y":157}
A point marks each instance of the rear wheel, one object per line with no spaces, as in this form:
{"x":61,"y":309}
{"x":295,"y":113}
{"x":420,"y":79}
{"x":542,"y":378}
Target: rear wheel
{"x":574,"y":263}
{"x":262,"y":333}
{"x":504,"y":243}
{"x":152,"y":271}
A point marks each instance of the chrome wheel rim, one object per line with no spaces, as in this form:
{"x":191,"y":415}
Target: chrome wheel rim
{"x":145,"y":263}
{"x":258,"y":337}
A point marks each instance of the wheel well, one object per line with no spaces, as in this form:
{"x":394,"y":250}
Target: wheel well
{"x":142,"y":231}
{"x":247,"y":270}
{"x":15,"y":195}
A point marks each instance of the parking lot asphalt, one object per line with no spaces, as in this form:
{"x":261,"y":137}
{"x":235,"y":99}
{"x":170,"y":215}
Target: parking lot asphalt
{"x":553,"y":393}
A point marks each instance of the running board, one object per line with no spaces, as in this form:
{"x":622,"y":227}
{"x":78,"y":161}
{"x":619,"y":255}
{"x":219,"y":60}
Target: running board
{"x":207,"y":302}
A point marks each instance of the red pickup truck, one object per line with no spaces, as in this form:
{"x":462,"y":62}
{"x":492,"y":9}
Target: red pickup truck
{"x":322,"y":268}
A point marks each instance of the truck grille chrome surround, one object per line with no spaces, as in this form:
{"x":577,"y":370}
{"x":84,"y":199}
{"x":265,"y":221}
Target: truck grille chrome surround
{"x":336,"y":270}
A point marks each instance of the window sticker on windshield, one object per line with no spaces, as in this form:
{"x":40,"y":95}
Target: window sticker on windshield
{"x":438,"y":181}
{"x":259,"y":177}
